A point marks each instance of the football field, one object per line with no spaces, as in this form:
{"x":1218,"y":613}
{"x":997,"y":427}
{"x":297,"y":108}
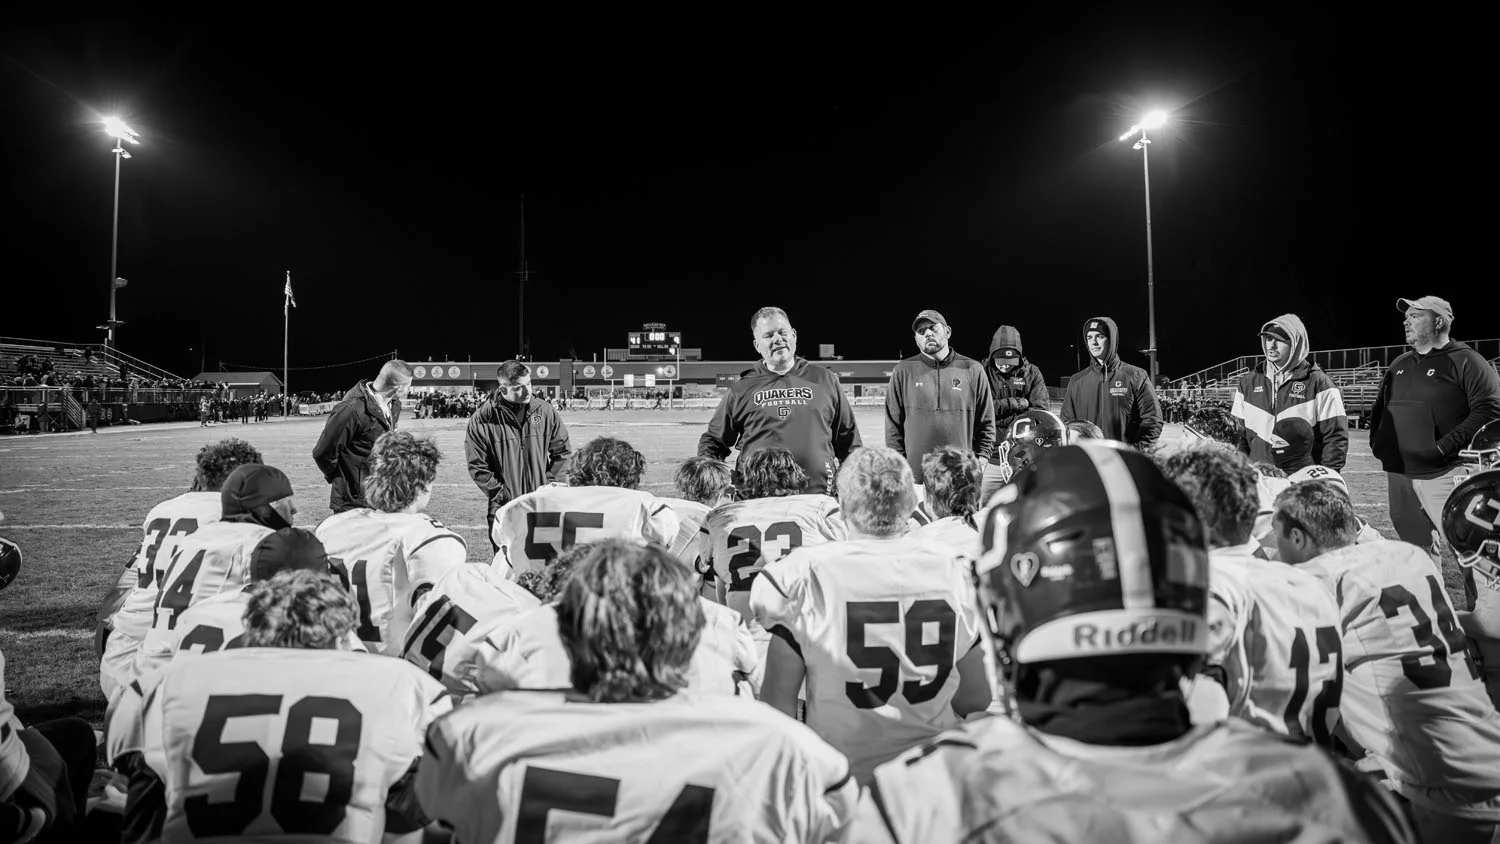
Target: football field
{"x":75,"y":503}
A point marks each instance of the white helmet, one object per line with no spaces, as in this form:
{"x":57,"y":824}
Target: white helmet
{"x":1318,"y":473}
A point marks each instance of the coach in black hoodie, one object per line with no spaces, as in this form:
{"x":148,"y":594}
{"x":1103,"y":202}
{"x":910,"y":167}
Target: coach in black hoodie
{"x":1432,"y":401}
{"x":1111,"y":393}
{"x":1017,"y":386}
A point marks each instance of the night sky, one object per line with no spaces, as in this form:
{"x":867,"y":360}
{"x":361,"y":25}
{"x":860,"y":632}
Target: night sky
{"x":688,"y":170}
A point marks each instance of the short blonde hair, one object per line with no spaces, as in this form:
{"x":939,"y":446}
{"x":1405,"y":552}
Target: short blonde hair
{"x":876,"y":491}
{"x":299,"y":609}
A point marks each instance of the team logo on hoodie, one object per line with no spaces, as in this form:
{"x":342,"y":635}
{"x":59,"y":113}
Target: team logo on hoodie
{"x":782,"y":396}
{"x":1298,"y":389}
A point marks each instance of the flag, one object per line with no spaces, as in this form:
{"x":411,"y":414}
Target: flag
{"x":290,"y":299}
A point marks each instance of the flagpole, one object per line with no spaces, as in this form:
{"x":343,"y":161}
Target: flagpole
{"x":286,"y":322}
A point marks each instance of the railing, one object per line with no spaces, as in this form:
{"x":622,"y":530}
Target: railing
{"x":120,"y":360}
{"x":1376,"y":358}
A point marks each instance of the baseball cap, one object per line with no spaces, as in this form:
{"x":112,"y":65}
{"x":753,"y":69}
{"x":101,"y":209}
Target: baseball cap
{"x":288,"y":549}
{"x":253,"y":485}
{"x":929,"y":315}
{"x":1275,"y":330}
{"x":1427,"y":303}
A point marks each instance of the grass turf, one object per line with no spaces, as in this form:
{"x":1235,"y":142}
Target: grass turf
{"x":75,"y":502}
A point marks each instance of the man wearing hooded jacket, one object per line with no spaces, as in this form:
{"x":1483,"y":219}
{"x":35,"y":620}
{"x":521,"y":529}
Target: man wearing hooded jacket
{"x":1293,"y":414}
{"x":1110,"y":393}
{"x":1017,"y":386}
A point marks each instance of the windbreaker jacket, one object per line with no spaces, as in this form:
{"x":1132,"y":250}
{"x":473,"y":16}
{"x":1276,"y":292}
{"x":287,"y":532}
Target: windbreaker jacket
{"x":1017,"y":392}
{"x":1429,"y":407}
{"x":930,"y":404}
{"x":343,"y":451}
{"x":1114,"y":395}
{"x":507,"y":461}
{"x":804,"y":411}
{"x":1293,"y":415}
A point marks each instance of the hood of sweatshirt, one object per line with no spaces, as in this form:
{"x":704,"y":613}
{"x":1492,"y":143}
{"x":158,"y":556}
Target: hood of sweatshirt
{"x":1111,"y":332}
{"x":1006,"y":337}
{"x":1292,"y":325}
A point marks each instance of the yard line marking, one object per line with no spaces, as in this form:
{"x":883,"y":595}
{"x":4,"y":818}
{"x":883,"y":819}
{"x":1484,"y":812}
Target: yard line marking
{"x":53,"y":633}
{"x":8,"y":526}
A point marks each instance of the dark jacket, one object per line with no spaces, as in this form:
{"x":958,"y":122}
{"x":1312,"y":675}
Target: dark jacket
{"x":1294,"y":416}
{"x":930,"y":404}
{"x":1114,"y":395}
{"x":1429,"y":407}
{"x":343,"y":450}
{"x":512,"y":453}
{"x":804,"y":411}
{"x":1016,"y":392}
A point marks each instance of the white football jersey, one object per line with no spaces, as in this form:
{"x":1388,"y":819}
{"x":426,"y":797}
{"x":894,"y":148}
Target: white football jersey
{"x":533,"y":529}
{"x":529,"y":766}
{"x":951,"y":532}
{"x":741,"y":537}
{"x":15,"y":762}
{"x":527,"y":653}
{"x":881,"y":625}
{"x":438,"y":640}
{"x":388,"y":560}
{"x":165,"y":526}
{"x":996,"y":780}
{"x":1269,"y":488}
{"x":691,"y":516}
{"x":210,"y":562}
{"x":279,"y":744}
{"x":1412,"y":695}
{"x":1274,"y":634}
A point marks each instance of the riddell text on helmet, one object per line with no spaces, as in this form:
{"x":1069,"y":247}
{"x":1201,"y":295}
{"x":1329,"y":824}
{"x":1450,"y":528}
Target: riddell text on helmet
{"x":1149,"y":632}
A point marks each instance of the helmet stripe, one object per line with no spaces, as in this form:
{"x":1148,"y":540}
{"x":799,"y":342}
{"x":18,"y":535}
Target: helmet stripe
{"x":1128,"y":528}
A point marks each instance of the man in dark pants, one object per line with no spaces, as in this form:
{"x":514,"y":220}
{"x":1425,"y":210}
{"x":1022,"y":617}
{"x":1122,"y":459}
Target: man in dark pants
{"x":369,"y":409}
{"x":515,"y":441}
{"x":94,"y":415}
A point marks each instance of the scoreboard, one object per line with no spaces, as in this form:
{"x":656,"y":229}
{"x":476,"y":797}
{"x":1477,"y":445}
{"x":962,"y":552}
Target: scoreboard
{"x":654,"y":340}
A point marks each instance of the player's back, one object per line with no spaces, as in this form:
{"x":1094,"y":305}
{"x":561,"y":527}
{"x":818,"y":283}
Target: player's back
{"x":165,"y":526}
{"x":1274,"y":631}
{"x":527,"y":652}
{"x":953,"y":533}
{"x":385,"y":558}
{"x":536,"y":527}
{"x":212,"y":561}
{"x":318,"y":738}
{"x":741,"y":537}
{"x":164,"y":529}
{"x":996,"y":780}
{"x":527,"y":766}
{"x":691,"y":516}
{"x":1412,"y":694}
{"x":881,"y":625}
{"x":438,"y":640}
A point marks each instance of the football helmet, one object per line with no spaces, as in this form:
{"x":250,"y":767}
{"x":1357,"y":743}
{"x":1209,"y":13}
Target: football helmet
{"x":1090,"y":551}
{"x":1319,"y":473}
{"x":1030,"y":432}
{"x":1216,"y":425}
{"x":1484,"y":449}
{"x":10,"y":561}
{"x":1471,"y":524}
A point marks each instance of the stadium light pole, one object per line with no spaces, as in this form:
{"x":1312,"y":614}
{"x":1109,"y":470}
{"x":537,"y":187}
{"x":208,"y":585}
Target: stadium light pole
{"x":122,"y":134}
{"x":1152,"y":120}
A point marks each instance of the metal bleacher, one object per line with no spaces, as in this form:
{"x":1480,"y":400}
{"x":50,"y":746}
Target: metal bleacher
{"x":1357,"y":372}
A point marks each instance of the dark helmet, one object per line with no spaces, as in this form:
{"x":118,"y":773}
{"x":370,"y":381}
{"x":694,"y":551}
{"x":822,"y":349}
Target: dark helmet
{"x":10,"y":561}
{"x":1471,"y":524}
{"x":1029,"y":433}
{"x":1484,"y":449}
{"x":1091,"y":551}
{"x":1215,"y":424}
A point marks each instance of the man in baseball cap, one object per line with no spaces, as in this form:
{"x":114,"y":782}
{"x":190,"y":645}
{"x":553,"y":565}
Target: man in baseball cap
{"x":938,"y":398}
{"x":1433,"y":400}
